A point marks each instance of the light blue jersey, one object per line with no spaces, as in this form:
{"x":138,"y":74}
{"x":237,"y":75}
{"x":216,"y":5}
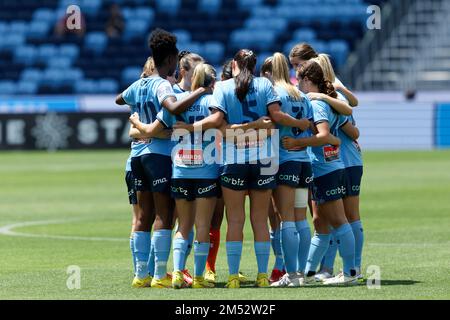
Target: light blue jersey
{"x":261,"y":94}
{"x":350,"y":150}
{"x":128,"y":164}
{"x":194,"y":156}
{"x":327,"y":157}
{"x":298,"y":108}
{"x":145,"y":97}
{"x":177,"y":89}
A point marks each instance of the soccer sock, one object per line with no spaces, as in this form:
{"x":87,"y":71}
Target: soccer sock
{"x":133,"y":256}
{"x":214,"y":236}
{"x":151,"y":258}
{"x":189,"y":247}
{"x":234,"y":252}
{"x":201,"y":250}
{"x":262,"y":251}
{"x":358,"y":232}
{"x":179,"y":252}
{"x":141,"y":251}
{"x":275,"y":239}
{"x":304,"y":233}
{"x":319,"y":245}
{"x":330,"y":255}
{"x":162,"y":249}
{"x":289,"y":245}
{"x":346,"y":244}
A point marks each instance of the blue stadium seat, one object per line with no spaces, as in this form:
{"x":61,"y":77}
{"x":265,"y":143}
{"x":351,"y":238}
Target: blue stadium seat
{"x":25,"y":55}
{"x":183,"y":36}
{"x":144,"y":13}
{"x":191,"y":46}
{"x":106,"y":85}
{"x":59,"y":62}
{"x":10,"y":41}
{"x":304,"y":35}
{"x":18,"y":27}
{"x":86,"y":86}
{"x":91,"y":7}
{"x":213,"y":51}
{"x":4,"y":27}
{"x":130,"y":74}
{"x":38,"y":29}
{"x":168,"y":6}
{"x":319,"y":46}
{"x":339,"y":50}
{"x":136,"y":29}
{"x":69,"y":50}
{"x":209,"y":6}
{"x":53,"y":77}
{"x":249,"y":4}
{"x":263,"y":12}
{"x":96,"y":42}
{"x":44,"y":15}
{"x":7,"y":87}
{"x":47,"y":52}
{"x":31,"y":74}
{"x":73,"y":74}
{"x":27,"y":87}
{"x":276,"y":24}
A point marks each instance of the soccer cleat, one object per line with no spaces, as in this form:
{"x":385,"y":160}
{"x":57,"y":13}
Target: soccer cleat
{"x":210,"y":276}
{"x":141,"y":283}
{"x":262,"y":280}
{"x":341,"y":279}
{"x":233,"y":282}
{"x":359,"y":276}
{"x":187,"y":277}
{"x":242,"y":277}
{"x":293,"y":279}
{"x":323,"y":275}
{"x":162,"y":283}
{"x":178,"y":280}
{"x":276,"y":275}
{"x":200,"y":282}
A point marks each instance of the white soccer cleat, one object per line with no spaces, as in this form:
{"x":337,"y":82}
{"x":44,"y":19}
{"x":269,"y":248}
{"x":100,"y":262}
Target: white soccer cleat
{"x":323,"y":275}
{"x":341,"y":279}
{"x":292,"y":279}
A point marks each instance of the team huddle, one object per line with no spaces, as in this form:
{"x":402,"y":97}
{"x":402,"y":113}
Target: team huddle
{"x":201,"y":146}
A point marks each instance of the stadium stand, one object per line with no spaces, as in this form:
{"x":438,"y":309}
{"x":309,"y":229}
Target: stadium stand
{"x":36,"y":58}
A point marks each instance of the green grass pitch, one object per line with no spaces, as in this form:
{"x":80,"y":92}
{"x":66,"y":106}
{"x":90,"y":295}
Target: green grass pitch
{"x":70,"y":208}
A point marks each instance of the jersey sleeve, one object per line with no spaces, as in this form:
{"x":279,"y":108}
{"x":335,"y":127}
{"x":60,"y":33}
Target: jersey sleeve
{"x":219,"y":98}
{"x":320,"y":113}
{"x":165,"y":117}
{"x":164,"y":91}
{"x":343,"y":120}
{"x":130,"y":94}
{"x":269,"y":90}
{"x":214,"y":105}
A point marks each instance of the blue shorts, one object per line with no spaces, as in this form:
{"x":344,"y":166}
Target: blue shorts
{"x":152,"y":172}
{"x":353,"y":176}
{"x":132,"y":198}
{"x":295,"y":174}
{"x":191,"y":189}
{"x":329,"y":187}
{"x":246,"y":176}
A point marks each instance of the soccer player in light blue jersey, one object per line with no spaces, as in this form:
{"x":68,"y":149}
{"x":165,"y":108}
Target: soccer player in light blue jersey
{"x":195,"y":174}
{"x":328,"y":187}
{"x":151,"y":162}
{"x":294,"y":174}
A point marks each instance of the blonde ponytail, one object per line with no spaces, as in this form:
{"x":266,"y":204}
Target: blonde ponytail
{"x":324,"y":61}
{"x":280,"y":75}
{"x":149,"y":68}
{"x":204,"y":75}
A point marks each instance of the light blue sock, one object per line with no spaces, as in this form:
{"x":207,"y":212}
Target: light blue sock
{"x":151,"y":258}
{"x":346,"y":244}
{"x":201,"y":250}
{"x":304,"y":234}
{"x":162,"y":250}
{"x":133,"y":256}
{"x":289,"y":245}
{"x":141,"y":251}
{"x":358,"y":232}
{"x":189,"y":247}
{"x":275,"y":239}
{"x":319,"y":245}
{"x":262,"y":252}
{"x":330,"y":255}
{"x":234,"y":252}
{"x":179,"y":252}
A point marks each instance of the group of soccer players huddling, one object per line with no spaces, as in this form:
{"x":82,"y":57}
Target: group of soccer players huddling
{"x":201,"y":146}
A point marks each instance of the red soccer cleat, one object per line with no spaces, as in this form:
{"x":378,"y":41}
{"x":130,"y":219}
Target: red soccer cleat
{"x":276,"y":275}
{"x":187,"y":277}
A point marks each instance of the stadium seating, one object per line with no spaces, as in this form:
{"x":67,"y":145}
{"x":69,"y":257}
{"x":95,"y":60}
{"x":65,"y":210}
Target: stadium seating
{"x":34,"y":60}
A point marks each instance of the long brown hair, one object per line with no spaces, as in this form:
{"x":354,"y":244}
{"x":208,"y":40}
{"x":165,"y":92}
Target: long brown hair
{"x":314,"y":73}
{"x":303,"y":51}
{"x":246,"y":61}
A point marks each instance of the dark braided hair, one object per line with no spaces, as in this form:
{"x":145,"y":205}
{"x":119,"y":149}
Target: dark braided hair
{"x":314,"y":73}
{"x":246,"y":61}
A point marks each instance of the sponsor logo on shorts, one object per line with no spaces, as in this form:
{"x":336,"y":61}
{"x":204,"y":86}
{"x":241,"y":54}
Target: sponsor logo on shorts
{"x":338,"y":190}
{"x":207,"y":189}
{"x":289,"y":177}
{"x":263,"y":182}
{"x":233,"y":181}
{"x":179,"y":190}
{"x":309,"y":179}
{"x":356,"y":188}
{"x":138,"y":182}
{"x":160,"y":181}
